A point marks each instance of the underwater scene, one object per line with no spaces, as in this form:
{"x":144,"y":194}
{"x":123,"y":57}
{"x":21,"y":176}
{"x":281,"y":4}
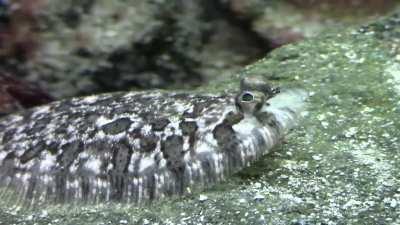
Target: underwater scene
{"x":199,"y":112}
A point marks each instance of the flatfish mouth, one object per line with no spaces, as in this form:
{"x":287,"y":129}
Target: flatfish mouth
{"x":135,"y":147}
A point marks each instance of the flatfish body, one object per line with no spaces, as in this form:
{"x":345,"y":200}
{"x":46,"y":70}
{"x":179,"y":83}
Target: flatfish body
{"x":137,"y":147}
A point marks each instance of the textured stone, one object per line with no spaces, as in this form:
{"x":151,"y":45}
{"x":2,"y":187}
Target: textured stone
{"x":17,"y":94}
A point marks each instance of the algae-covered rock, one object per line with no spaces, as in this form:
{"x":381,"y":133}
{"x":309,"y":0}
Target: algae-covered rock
{"x":16,"y":95}
{"x":74,"y":48}
{"x":341,"y":166}
{"x":99,"y":46}
{"x":287,"y":21}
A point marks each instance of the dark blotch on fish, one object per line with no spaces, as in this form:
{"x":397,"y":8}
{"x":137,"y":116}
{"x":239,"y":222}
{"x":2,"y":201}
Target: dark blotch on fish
{"x":32,"y":152}
{"x":120,"y":161}
{"x":160,"y":124}
{"x":233,"y":118}
{"x":117,"y":126}
{"x":172,"y":148}
{"x":189,"y":128}
{"x":69,"y":153}
{"x":8,"y":135}
{"x":148,"y":143}
{"x":224,"y":134}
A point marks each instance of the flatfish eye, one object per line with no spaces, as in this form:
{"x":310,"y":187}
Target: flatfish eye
{"x":250,"y":101}
{"x":247,"y":97}
{"x":253,"y":83}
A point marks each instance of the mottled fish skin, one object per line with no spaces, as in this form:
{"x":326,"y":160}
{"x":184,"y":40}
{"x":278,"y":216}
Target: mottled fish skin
{"x":137,"y":147}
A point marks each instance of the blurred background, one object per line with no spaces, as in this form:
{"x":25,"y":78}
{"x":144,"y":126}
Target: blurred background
{"x":51,"y":50}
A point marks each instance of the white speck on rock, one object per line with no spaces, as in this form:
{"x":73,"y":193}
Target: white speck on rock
{"x":44,"y":214}
{"x":393,"y":203}
{"x":351,"y":132}
{"x":321,"y":117}
{"x":351,"y":55}
{"x":203,"y":198}
{"x":317,"y":157}
{"x":123,"y":222}
{"x":324,"y":124}
{"x":242,"y":200}
{"x":257,"y":185}
{"x":351,"y":203}
{"x":259,"y":197}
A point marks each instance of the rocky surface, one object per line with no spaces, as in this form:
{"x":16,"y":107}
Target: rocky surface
{"x":141,"y":43}
{"x":16,"y":95}
{"x":74,"y":48}
{"x":282,"y":22}
{"x":340,"y":167}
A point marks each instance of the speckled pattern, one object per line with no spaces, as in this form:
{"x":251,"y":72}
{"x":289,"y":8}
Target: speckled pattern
{"x":135,"y":146}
